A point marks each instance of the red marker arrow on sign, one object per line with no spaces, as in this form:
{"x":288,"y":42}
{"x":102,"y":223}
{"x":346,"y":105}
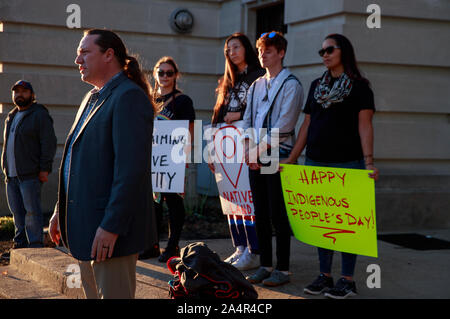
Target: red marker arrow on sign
{"x":337,"y":231}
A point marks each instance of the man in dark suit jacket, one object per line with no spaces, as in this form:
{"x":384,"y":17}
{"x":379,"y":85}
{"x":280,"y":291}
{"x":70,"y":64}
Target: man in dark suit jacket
{"x":104,"y":199}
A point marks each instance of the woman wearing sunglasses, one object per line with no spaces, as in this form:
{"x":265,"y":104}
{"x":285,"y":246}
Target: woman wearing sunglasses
{"x":241,"y":69}
{"x":172,"y":105}
{"x":337,"y":132}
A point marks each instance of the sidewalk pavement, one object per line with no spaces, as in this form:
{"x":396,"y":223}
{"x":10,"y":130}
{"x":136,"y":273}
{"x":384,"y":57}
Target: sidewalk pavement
{"x":405,"y":273}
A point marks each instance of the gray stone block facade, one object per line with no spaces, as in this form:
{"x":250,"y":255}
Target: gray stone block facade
{"x":406,"y":61}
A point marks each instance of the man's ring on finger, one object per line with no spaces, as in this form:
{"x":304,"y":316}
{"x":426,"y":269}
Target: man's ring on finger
{"x":105,"y":247}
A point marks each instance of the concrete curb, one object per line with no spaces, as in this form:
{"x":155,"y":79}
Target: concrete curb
{"x":50,"y":267}
{"x":46,"y":266}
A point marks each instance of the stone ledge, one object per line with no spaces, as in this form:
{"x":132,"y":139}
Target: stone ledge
{"x":48,"y":268}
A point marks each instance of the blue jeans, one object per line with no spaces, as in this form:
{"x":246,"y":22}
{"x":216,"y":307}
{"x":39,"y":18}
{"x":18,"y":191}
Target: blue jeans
{"x":24,"y":201}
{"x":326,"y":255}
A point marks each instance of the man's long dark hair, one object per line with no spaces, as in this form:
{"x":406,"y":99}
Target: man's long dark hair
{"x":228,"y":81}
{"x":348,"y":58}
{"x":108,"y":39}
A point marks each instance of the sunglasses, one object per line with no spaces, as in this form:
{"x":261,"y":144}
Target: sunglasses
{"x":328,"y":50}
{"x":168,"y":73}
{"x":271,"y":34}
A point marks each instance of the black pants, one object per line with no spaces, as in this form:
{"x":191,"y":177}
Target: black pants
{"x":270,"y":210}
{"x":176,"y":217}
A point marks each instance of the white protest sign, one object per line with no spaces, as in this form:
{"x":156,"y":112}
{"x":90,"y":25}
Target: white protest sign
{"x":168,"y":157}
{"x":231,"y":172}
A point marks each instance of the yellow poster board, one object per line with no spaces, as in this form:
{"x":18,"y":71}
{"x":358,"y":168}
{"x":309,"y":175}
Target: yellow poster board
{"x":332,"y":208}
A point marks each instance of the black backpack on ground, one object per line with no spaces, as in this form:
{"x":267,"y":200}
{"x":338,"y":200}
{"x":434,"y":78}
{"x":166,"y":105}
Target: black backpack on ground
{"x":199,"y":273}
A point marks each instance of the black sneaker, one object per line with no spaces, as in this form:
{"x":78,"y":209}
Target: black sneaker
{"x":37,"y":244}
{"x":169,"y":252}
{"x":150,"y":253}
{"x":5,"y":256}
{"x":343,"y":289}
{"x":19,"y":246}
{"x":321,"y":284}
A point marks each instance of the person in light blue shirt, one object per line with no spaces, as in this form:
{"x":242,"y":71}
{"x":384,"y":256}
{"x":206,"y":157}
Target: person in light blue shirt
{"x":274,"y":103}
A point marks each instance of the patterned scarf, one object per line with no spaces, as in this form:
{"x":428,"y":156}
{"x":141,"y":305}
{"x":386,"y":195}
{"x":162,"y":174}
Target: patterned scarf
{"x":326,"y":95}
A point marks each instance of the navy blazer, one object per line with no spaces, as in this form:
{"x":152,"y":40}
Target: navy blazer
{"x":109,"y":183}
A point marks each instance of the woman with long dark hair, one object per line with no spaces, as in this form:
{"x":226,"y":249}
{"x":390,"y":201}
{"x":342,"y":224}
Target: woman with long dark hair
{"x":337,"y":132}
{"x":242,"y":68}
{"x":171,"y":104}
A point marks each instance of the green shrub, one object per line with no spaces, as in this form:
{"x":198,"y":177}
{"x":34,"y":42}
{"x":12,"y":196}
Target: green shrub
{"x":6,"y":227}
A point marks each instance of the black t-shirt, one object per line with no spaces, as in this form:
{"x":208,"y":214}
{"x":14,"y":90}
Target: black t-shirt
{"x":179,"y":108}
{"x":333,"y":135}
{"x":237,"y":98}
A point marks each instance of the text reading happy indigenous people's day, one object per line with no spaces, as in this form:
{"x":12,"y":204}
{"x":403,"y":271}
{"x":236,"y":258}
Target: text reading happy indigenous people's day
{"x":332,"y":208}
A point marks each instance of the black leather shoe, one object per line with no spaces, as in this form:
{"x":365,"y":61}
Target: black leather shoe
{"x":150,"y":253}
{"x":19,"y":246}
{"x":169,"y":252}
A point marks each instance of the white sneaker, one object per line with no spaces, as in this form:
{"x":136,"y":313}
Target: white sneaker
{"x":235,"y":256}
{"x":247,"y":261}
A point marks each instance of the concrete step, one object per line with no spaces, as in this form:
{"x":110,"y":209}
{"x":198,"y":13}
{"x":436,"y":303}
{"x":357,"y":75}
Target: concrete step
{"x":46,"y":266}
{"x":53,"y":269}
{"x":14,"y":285}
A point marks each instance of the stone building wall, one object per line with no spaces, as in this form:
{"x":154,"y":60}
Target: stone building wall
{"x":406,"y":61}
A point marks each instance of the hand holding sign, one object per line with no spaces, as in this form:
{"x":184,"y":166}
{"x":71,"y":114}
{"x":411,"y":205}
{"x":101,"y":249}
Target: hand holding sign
{"x":375,"y":172}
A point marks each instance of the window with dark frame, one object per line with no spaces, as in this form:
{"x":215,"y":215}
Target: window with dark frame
{"x":270,"y":18}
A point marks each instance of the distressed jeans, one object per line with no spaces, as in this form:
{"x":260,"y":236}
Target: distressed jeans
{"x":24,"y":201}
